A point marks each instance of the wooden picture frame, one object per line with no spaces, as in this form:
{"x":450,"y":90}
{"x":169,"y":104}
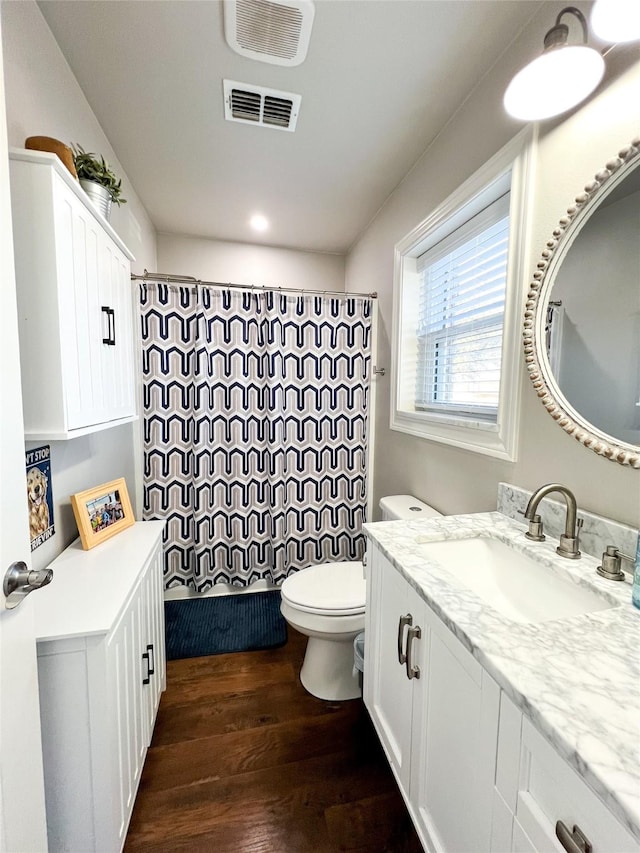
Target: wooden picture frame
{"x":102,"y":512}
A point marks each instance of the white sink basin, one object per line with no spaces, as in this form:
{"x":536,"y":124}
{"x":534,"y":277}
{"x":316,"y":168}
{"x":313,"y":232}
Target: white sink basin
{"x":510,"y":582}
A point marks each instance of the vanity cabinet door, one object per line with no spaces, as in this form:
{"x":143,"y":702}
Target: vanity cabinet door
{"x":455,"y":731}
{"x":535,"y":788}
{"x":549,"y":790}
{"x":388,"y":692}
{"x":521,"y":841}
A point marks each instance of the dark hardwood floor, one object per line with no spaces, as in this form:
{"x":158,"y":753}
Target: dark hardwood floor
{"x":244,"y":760}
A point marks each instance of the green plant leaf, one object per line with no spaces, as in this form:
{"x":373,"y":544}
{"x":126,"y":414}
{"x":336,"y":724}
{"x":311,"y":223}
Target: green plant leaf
{"x":90,"y":168}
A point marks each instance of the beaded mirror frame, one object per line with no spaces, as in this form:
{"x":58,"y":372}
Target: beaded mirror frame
{"x":536,"y":358}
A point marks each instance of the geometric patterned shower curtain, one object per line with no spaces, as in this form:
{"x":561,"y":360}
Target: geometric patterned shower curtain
{"x":256,"y":409}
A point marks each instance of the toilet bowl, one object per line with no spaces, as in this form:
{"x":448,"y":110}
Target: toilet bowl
{"x":326,"y":603}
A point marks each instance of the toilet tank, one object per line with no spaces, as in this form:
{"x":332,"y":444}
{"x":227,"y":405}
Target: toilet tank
{"x":405,"y":507}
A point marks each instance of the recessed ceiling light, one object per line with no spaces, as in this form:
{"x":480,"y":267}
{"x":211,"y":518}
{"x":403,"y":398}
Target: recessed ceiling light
{"x":259,"y":222}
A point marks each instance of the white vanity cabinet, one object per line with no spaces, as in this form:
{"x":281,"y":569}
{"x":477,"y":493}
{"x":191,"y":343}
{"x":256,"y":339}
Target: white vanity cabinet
{"x":438,"y":729}
{"x":535,"y":788}
{"x":101,"y":670}
{"x":476,"y":775}
{"x":75,"y":304}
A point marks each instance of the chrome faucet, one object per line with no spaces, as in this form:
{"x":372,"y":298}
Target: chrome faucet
{"x":570,"y":539}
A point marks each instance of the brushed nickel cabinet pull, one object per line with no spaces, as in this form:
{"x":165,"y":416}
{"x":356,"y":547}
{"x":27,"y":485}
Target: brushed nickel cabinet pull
{"x":147,"y":678}
{"x":402,"y":624}
{"x":573,"y":842}
{"x":412,"y":671}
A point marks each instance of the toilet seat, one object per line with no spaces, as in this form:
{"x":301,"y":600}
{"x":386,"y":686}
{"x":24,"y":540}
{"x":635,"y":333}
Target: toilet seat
{"x":330,"y":589}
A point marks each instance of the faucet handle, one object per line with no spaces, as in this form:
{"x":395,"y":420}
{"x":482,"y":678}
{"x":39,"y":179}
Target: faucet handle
{"x":611,"y":567}
{"x":535,"y":531}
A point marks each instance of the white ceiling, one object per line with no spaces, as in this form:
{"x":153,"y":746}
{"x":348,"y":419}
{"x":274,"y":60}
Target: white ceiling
{"x":381,"y":78}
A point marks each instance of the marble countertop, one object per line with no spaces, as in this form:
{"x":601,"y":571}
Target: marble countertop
{"x":577,"y":678}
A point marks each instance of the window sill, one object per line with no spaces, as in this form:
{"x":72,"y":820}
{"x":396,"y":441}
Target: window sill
{"x":476,"y":436}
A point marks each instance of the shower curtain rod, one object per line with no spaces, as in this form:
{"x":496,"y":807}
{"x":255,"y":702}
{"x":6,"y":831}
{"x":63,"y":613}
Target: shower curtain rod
{"x":189,"y":279}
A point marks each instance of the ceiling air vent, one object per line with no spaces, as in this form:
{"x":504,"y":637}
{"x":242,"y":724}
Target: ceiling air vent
{"x":250,"y":104}
{"x":269,"y":31}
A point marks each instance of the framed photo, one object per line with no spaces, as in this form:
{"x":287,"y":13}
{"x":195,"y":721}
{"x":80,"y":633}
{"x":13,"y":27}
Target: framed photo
{"x":102,"y":512}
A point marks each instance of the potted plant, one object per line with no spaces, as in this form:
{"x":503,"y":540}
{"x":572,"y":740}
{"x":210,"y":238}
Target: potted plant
{"x":97,"y":180}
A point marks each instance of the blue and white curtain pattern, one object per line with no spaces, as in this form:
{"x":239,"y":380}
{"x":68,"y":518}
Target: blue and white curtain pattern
{"x":255,"y":430}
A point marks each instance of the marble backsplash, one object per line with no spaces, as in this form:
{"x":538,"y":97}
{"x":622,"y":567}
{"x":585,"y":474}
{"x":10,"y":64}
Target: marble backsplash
{"x":597,"y":532}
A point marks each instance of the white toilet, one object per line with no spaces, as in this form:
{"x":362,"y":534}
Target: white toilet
{"x":326,"y":603}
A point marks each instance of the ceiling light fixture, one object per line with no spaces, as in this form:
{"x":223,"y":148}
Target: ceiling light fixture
{"x":616,"y":20}
{"x":259,"y":222}
{"x":557,"y":80}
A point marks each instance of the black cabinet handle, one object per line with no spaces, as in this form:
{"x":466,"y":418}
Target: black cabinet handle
{"x":145,"y":656}
{"x":110,"y":340}
{"x":152,"y":659}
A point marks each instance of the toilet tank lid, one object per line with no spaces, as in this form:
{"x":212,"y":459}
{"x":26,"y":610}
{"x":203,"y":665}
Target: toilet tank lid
{"x":407,"y":507}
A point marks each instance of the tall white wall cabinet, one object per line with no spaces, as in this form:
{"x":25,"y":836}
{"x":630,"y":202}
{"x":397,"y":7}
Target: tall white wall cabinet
{"x":474,"y":773}
{"x":101,"y":670}
{"x":75,"y":304}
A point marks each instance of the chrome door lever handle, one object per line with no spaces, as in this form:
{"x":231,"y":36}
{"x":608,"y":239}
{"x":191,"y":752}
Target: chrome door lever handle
{"x":19,"y":581}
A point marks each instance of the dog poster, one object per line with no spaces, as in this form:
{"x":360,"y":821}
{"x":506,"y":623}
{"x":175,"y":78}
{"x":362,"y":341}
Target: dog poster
{"x":39,"y":495}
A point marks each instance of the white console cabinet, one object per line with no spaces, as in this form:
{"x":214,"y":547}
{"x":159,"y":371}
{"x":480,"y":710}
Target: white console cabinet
{"x":75,"y":304}
{"x":475,"y":773}
{"x":101,"y":670}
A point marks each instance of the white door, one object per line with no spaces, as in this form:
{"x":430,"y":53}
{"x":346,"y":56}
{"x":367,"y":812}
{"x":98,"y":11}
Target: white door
{"x":22,"y":812}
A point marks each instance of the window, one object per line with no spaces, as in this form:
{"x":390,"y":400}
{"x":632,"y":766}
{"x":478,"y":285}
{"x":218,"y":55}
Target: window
{"x":456,"y":372}
{"x":462,"y":283}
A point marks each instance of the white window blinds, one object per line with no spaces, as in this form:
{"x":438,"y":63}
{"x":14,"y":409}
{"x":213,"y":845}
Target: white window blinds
{"x":462,"y":284}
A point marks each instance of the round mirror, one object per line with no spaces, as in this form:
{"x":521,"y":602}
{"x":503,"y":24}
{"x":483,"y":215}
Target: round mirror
{"x":582,"y":319}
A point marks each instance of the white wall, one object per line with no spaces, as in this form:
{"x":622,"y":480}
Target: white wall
{"x":571,"y":150}
{"x":242,"y":263}
{"x":44,"y":99}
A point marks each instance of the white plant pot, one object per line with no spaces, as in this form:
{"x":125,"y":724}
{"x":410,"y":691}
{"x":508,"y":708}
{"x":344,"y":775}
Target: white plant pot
{"x":99,"y":196}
